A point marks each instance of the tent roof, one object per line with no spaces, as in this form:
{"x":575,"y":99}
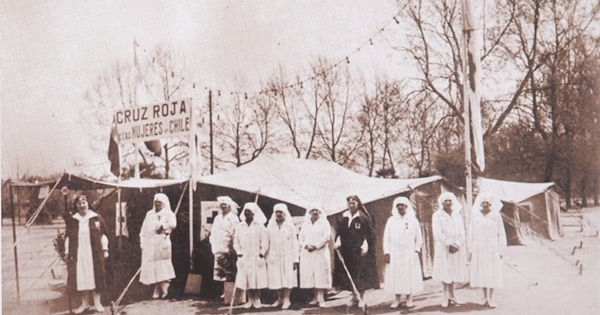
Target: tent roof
{"x":82,"y":183}
{"x":307,"y":182}
{"x":28,"y":184}
{"x":514,"y":192}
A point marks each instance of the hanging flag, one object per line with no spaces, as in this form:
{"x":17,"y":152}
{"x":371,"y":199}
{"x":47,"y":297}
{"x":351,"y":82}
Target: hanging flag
{"x":472,"y":35}
{"x":114,"y":152}
{"x":155,"y":146}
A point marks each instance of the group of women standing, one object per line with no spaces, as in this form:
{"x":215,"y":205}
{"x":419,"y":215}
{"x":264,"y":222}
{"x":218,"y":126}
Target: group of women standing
{"x":482,"y":249}
{"x":86,"y":248}
{"x":269,"y":253}
{"x":270,"y":257}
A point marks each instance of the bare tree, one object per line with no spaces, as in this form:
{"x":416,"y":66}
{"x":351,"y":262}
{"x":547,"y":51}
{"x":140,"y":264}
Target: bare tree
{"x":379,"y":117}
{"x":435,"y":44}
{"x":422,"y":128}
{"x":334,"y":126}
{"x":244,"y":128}
{"x":298,"y":109}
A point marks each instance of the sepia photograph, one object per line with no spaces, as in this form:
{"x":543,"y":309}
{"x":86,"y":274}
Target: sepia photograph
{"x":300,"y":157}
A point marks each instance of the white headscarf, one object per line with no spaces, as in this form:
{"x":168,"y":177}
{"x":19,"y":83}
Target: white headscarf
{"x":456,"y":206}
{"x":403,"y":201}
{"x":496,"y":204}
{"x":259,"y":215}
{"x":165,"y":201}
{"x":307,"y":215}
{"x":228,"y":201}
{"x":288,"y":217}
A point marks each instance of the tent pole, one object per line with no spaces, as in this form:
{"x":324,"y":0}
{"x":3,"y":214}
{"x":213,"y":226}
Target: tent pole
{"x":192,"y":160}
{"x":120,"y":216}
{"x":191,"y":227}
{"x":14,"y":232}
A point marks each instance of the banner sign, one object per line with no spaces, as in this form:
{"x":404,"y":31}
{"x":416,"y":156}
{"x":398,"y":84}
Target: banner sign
{"x":152,"y":122}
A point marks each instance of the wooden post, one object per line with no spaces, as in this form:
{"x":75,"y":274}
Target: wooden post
{"x":192,"y":159}
{"x":14,"y":232}
{"x":210,"y":131}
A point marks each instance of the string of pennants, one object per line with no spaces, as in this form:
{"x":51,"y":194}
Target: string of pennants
{"x":300,"y":83}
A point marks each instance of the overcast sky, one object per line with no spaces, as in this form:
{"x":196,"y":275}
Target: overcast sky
{"x":53,"y":51}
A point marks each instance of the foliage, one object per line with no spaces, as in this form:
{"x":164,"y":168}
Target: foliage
{"x":59,"y":246}
{"x":226,"y":264}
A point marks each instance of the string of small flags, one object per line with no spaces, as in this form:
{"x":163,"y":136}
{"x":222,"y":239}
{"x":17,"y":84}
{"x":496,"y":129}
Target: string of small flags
{"x":300,"y":83}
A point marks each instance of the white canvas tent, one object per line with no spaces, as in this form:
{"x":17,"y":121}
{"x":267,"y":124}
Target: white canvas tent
{"x":533,"y":207}
{"x":301,"y":183}
{"x":305,"y":182}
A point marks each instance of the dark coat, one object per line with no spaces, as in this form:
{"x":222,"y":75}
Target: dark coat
{"x":97,"y":229}
{"x":362,"y":269}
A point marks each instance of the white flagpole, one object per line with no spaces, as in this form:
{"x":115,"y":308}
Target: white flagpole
{"x":192,"y":161}
{"x":135,"y":145}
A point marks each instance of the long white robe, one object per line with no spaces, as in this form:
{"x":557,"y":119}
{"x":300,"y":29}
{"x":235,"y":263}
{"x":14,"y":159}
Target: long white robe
{"x":487,"y":240}
{"x":221,"y":235}
{"x":250,"y":241}
{"x":157,"y":248}
{"x":402,"y":240}
{"x":315,"y":266}
{"x":448,"y":229}
{"x":282,"y":254}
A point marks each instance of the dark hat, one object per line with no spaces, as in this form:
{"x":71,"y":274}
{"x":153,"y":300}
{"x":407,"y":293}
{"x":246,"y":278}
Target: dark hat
{"x":353,"y":198}
{"x":79,"y":198}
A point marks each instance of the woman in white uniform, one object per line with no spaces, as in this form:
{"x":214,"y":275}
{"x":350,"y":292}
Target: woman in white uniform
{"x":402,"y":241}
{"x":487,"y":240}
{"x":315,"y":261}
{"x":282,"y":257}
{"x":155,"y":242}
{"x":251,"y":243}
{"x":450,"y":258}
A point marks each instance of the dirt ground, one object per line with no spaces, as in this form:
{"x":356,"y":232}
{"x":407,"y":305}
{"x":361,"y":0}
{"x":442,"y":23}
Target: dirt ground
{"x":540,"y":278}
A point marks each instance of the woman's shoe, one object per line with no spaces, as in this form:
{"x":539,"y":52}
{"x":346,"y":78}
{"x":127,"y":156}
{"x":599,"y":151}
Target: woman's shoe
{"x":455,"y":301}
{"x":286,"y":305}
{"x":395,"y":304}
{"x":492,"y":304}
{"x":81,"y":309}
{"x":445,"y":303}
{"x":410,"y":304}
{"x":97,"y":308}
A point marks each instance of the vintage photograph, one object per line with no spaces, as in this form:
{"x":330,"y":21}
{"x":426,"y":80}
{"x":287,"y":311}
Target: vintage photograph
{"x":300,"y":157}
